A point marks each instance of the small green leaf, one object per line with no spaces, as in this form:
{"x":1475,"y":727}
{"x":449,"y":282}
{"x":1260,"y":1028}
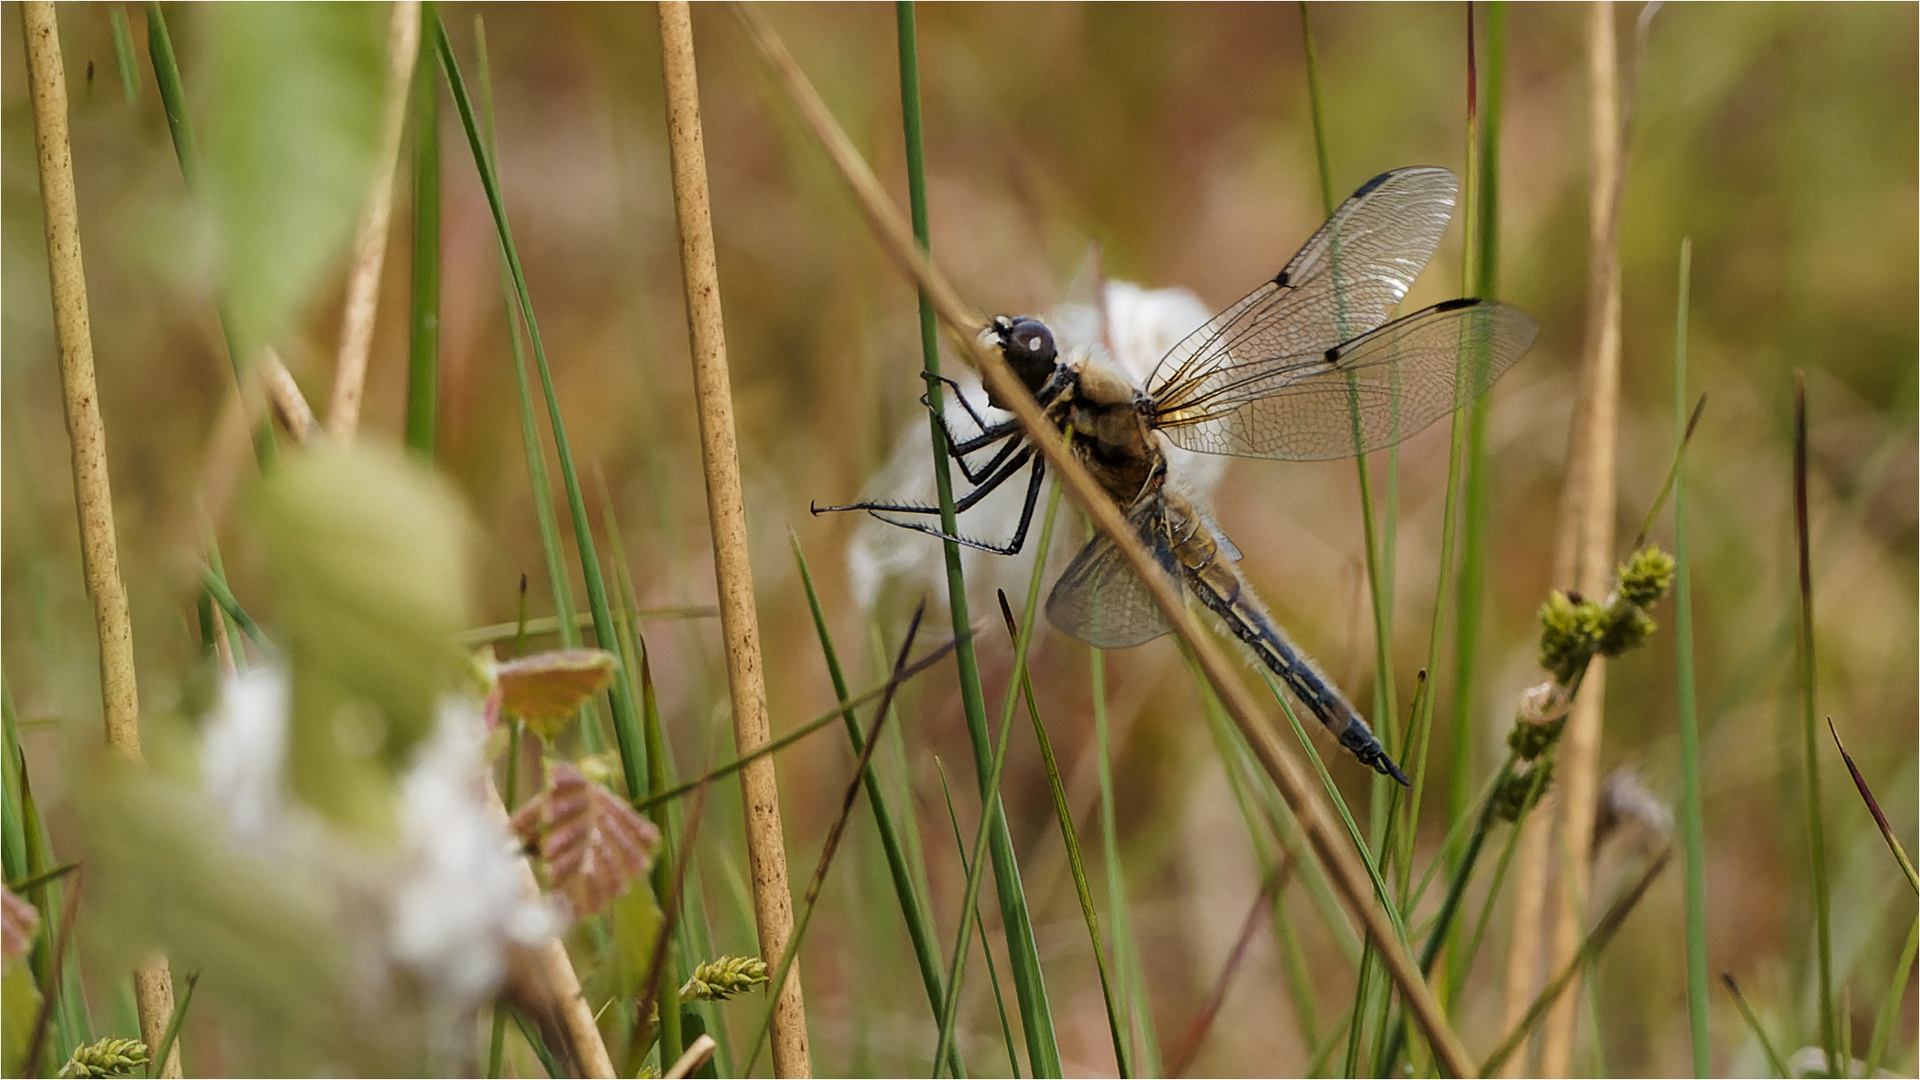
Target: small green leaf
{"x":19,"y":1006}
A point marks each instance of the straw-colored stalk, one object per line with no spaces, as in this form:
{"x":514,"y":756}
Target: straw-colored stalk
{"x":1583,"y":558}
{"x":370,"y":240}
{"x":86,"y":430}
{"x":1328,"y":839}
{"x":726,"y":511}
{"x":289,"y":404}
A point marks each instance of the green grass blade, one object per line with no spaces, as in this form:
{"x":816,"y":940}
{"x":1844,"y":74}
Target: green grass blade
{"x":1889,"y":1012}
{"x":173,"y":101}
{"x":1810,"y":740}
{"x":1023,"y":956}
{"x":1069,"y":837}
{"x":1778,"y":1063}
{"x":1693,"y":835}
{"x":123,"y":53}
{"x":986,"y":950}
{"x":70,"y":1023}
{"x":989,"y":803}
{"x":1136,"y":1000}
{"x":920,"y":929}
{"x":1873,"y":807}
{"x":423,"y":312}
{"x":216,"y":587}
{"x":434,"y":32}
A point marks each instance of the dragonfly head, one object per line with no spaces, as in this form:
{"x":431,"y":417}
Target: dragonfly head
{"x":1028,"y":346}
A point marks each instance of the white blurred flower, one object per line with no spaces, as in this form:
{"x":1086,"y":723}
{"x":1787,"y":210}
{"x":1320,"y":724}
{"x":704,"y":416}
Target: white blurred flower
{"x":1140,"y":326}
{"x":458,"y":898}
{"x":452,"y":893}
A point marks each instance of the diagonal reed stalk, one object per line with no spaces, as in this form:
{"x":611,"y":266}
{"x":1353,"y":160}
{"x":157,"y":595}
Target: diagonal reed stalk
{"x":963,"y":323}
{"x":1774,"y":1060}
{"x":1810,"y":735}
{"x":370,"y":237}
{"x":726,"y":511}
{"x":1023,"y":954}
{"x":87,"y":433}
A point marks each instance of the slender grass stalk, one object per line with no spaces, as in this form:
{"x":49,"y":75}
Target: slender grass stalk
{"x":626,"y":726}
{"x":173,"y":102}
{"x":61,"y":934}
{"x":1023,"y":956}
{"x":1126,"y":950}
{"x":86,"y":430}
{"x":123,"y":53}
{"x":1810,"y":738}
{"x":1202,"y":1021}
{"x":920,"y":930}
{"x":991,"y":795}
{"x":216,"y":587}
{"x":1069,"y":837}
{"x":986,"y":947}
{"x":861,"y":773}
{"x":1693,"y":834}
{"x":963,"y":324}
{"x":1589,"y":949}
{"x":794,"y":734}
{"x":542,"y":625}
{"x":1740,"y":1001}
{"x":1873,"y":807}
{"x":739,"y":627}
{"x":370,"y":237}
{"x":423,"y":312}
{"x":1889,"y":1012}
{"x":1477,"y":510}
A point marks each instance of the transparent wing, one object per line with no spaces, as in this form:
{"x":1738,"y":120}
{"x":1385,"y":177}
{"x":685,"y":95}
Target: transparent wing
{"x":1355,"y":398}
{"x":1100,"y":600}
{"x":1340,"y":285}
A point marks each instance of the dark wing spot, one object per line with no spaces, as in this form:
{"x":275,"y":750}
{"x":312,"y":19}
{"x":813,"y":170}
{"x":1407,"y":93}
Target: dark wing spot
{"x":1280,"y":279}
{"x":1456,"y":305}
{"x":1371,"y":184}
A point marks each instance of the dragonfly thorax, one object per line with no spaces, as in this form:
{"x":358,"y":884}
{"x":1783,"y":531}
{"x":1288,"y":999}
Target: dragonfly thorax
{"x":1108,"y":417}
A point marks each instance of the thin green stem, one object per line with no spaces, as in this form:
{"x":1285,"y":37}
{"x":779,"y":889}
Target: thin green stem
{"x":1778,"y":1063}
{"x":1023,"y":957}
{"x":1886,"y":1018}
{"x":1810,"y":739}
{"x":423,"y":321}
{"x":1692,"y":820}
{"x":986,"y":949}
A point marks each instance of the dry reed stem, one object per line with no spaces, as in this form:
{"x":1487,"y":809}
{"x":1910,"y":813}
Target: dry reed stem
{"x":86,"y":430}
{"x":1328,"y":839}
{"x":1583,"y":557}
{"x":1579,"y":753}
{"x":726,"y":510}
{"x":289,"y":404}
{"x":696,"y":1056}
{"x":370,"y":241}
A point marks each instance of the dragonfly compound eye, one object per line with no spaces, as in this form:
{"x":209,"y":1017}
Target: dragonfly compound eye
{"x":1028,"y":346}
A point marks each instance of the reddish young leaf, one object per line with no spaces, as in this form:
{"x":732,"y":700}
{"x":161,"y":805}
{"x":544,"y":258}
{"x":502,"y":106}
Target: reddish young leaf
{"x":593,"y":844}
{"x":547,"y":689}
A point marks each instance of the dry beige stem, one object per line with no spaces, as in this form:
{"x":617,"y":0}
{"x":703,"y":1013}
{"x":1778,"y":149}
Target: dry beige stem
{"x":92,"y":493}
{"x":289,"y":404}
{"x":1582,"y":556}
{"x":370,"y":241}
{"x":696,"y":1056}
{"x":1329,"y":841}
{"x":726,"y":510}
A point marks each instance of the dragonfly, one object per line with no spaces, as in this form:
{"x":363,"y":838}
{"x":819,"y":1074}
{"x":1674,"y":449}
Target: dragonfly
{"x":1306,"y":367}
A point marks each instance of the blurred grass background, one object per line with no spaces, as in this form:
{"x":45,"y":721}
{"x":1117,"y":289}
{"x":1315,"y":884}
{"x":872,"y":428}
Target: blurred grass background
{"x":1781,"y":138}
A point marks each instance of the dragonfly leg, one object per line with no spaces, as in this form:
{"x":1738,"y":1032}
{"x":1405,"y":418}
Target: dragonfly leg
{"x":1011,"y":547}
{"x":978,"y":420}
{"x":964,"y":503}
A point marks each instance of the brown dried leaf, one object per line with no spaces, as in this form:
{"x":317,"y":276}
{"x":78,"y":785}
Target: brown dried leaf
{"x":18,"y":922}
{"x":593,"y":844}
{"x":547,"y":689}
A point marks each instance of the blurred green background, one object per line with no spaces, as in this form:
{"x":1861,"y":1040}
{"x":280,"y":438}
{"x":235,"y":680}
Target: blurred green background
{"x":1781,"y":138}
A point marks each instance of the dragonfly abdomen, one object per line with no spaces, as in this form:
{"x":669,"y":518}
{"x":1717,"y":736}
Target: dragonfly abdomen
{"x":1220,"y":586}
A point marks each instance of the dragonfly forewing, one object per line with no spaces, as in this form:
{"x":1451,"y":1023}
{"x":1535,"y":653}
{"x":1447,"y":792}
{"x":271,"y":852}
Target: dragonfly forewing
{"x":1100,"y":600}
